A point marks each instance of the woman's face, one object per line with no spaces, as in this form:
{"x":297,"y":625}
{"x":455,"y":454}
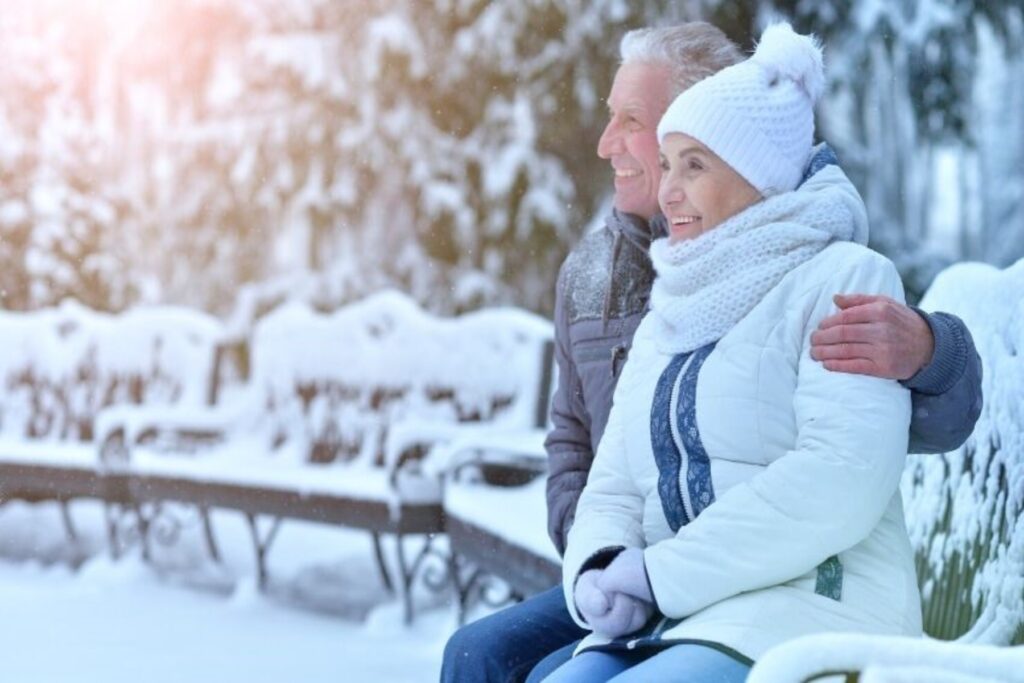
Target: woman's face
{"x":698,"y":190}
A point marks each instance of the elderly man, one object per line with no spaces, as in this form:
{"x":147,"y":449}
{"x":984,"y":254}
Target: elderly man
{"x":603,"y":291}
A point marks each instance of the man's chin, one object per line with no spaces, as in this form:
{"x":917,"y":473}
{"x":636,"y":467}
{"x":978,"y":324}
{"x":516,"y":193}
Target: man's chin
{"x":635,"y":208}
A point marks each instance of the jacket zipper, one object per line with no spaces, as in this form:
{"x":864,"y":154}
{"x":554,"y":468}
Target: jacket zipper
{"x":655,"y":634}
{"x":618,"y":352}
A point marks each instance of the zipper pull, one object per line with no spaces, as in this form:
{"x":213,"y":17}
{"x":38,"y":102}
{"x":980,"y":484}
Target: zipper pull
{"x":618,"y":352}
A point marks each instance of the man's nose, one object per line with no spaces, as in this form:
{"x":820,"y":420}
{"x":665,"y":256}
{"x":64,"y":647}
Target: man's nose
{"x":610,"y":142}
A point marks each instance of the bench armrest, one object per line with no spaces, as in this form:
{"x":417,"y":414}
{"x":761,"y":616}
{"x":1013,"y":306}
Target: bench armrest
{"x":838,"y":657}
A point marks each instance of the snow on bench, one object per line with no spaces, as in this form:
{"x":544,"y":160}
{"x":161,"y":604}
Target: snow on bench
{"x":305,"y":437}
{"x":339,"y":383}
{"x":61,"y":367}
{"x":965,"y":514}
{"x":495,"y":512}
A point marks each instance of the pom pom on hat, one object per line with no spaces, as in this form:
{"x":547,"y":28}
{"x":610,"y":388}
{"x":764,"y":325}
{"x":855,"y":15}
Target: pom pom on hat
{"x":784,"y":53}
{"x":758,"y":115}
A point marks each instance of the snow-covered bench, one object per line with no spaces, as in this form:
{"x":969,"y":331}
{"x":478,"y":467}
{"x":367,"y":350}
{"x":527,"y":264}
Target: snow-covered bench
{"x":495,"y":516}
{"x":965,"y":513}
{"x":493,"y":490}
{"x":306,"y":438}
{"x":61,"y":367}
{"x":494,"y":497}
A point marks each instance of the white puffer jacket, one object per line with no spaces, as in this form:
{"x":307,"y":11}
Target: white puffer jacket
{"x":784,"y":483}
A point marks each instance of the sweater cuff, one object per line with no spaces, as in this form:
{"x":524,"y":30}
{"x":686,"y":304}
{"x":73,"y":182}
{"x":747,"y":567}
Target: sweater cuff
{"x":948,"y":360}
{"x":600,"y":559}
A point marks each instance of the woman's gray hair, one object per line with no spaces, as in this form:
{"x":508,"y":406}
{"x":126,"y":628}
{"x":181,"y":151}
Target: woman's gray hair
{"x":692,"y":51}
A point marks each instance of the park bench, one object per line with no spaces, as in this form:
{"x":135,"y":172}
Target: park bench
{"x":496,"y":519}
{"x":307,"y":436}
{"x":494,"y":499}
{"x":61,"y":367}
{"x":965,"y":514}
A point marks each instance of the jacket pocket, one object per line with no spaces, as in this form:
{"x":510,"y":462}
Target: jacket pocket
{"x":610,"y":353}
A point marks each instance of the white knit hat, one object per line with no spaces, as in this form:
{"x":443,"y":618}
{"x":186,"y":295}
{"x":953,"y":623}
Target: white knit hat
{"x":758,"y":115}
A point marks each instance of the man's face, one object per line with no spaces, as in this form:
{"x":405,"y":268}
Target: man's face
{"x":637,"y":101}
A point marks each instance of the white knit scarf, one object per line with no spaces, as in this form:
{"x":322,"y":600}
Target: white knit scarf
{"x":706,"y":285}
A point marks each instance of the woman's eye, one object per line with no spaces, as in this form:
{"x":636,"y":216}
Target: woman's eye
{"x":695,"y":165}
{"x":664,"y":164}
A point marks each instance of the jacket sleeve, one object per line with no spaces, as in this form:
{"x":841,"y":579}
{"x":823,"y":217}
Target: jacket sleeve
{"x":610,"y":515}
{"x":818,"y":499}
{"x":570,"y":452}
{"x":946,"y":393}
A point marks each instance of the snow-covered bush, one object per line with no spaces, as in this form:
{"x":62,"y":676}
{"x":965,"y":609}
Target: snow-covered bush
{"x":60,"y":366}
{"x":965,"y":509}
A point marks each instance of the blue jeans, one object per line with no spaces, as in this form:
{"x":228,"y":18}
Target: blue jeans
{"x":552,"y":662}
{"x":685,"y":663}
{"x":506,"y":645}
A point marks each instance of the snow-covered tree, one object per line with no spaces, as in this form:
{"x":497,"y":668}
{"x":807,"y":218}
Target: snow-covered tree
{"x":207,"y":151}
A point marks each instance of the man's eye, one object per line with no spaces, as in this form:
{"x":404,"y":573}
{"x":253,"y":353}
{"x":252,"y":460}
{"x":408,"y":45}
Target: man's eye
{"x":695,"y":165}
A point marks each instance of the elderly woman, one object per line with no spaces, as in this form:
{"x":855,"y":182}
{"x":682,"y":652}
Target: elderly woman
{"x":742,"y":494}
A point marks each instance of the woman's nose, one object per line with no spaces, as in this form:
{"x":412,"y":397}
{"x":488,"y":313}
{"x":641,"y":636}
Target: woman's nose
{"x":672,"y":191}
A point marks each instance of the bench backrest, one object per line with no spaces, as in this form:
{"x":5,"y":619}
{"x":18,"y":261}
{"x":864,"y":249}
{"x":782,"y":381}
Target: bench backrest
{"x":333,"y":383}
{"x":965,"y":509}
{"x":61,"y":366}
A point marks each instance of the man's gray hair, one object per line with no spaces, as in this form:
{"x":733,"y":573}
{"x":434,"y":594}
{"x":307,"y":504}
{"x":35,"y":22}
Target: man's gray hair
{"x":692,"y":51}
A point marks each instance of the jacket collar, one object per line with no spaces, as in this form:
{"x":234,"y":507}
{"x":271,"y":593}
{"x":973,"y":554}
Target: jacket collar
{"x":639,"y":232}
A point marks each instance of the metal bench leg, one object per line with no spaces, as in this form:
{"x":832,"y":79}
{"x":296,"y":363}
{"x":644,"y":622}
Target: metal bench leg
{"x":211,"y":540}
{"x":69,"y":525}
{"x":112,"y":536}
{"x":261,"y":546}
{"x":143,"y":521}
{"x":378,"y":551}
{"x":463,"y":589}
{"x":476,"y":587}
{"x":409,"y":572}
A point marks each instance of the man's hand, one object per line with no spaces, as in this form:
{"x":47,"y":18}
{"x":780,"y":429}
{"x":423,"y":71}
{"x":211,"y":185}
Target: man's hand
{"x":873,"y":335}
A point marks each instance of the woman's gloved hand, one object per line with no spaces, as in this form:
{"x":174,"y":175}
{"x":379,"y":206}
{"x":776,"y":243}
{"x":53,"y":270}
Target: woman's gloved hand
{"x":627,"y":574}
{"x":626,"y":615}
{"x":591,"y":601}
{"x":609,"y":614}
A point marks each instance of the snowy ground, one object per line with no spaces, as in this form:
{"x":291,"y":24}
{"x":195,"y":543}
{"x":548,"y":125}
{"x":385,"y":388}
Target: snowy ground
{"x":76,"y":615}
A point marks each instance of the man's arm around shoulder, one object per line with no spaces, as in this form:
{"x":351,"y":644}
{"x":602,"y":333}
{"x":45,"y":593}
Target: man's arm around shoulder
{"x":933,"y":355}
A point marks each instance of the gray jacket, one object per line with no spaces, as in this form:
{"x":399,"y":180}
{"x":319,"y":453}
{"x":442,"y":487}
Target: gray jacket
{"x":603,"y":288}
